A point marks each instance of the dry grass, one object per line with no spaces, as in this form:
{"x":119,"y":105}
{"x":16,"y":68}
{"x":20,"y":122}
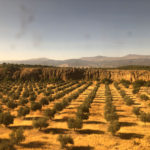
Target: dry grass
{"x":133,"y":135}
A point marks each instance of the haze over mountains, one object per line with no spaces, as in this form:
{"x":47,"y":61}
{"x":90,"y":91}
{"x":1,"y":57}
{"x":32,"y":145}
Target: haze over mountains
{"x":97,"y":61}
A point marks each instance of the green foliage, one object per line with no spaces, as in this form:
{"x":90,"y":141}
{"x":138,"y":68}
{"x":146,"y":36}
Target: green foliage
{"x":145,"y":117}
{"x":75,"y":123}
{"x":6,"y":118}
{"x":64,"y":140}
{"x":135,"y":90}
{"x":17,"y":136}
{"x":23,"y":111}
{"x":113,"y":127}
{"x":136,"y":111}
{"x":6,"y":145}
{"x":49,"y":113}
{"x":44,"y":101}
{"x":23,"y":101}
{"x":40,"y":123}
{"x":128,"y":100}
{"x":144,"y":97}
{"x":125,"y":83}
{"x":106,"y":81}
{"x":36,"y":106}
{"x":11,"y":104}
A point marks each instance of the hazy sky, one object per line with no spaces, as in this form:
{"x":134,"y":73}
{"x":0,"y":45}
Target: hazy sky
{"x":60,"y":29}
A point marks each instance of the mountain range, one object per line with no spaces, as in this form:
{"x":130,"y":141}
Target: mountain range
{"x":97,"y":61}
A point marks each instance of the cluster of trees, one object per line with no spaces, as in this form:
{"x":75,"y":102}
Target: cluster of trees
{"x":144,"y":117}
{"x":15,"y":138}
{"x":110,"y":112}
{"x":6,"y":118}
{"x":125,"y":83}
{"x":64,"y":140}
{"x":138,"y":84}
{"x":66,"y":91}
{"x":125,"y":97}
{"x":64,"y":103}
{"x":144,"y":97}
{"x":82,"y":111}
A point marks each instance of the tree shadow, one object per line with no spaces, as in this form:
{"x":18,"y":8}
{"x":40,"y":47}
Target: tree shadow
{"x":55,"y":130}
{"x":128,"y":136}
{"x":94,"y":122}
{"x":4,"y":140}
{"x":89,"y":131}
{"x":97,"y":102}
{"x":70,"y":112}
{"x":119,"y":110}
{"x":82,"y":148}
{"x":64,"y":119}
{"x":32,"y":118}
{"x":123,"y":116}
{"x":94,"y":114}
{"x":127,"y":124}
{"x":21,"y":126}
{"x":136,"y":103}
{"x":34,"y":144}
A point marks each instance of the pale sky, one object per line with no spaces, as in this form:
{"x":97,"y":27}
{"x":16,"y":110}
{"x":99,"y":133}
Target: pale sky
{"x":64,"y":29}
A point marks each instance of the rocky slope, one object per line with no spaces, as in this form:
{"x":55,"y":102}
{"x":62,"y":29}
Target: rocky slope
{"x":72,"y":74}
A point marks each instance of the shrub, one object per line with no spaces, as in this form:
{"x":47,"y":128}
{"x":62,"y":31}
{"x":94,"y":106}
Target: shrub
{"x":44,"y":101}
{"x":75,"y":123}
{"x":135,"y":90}
{"x":40,"y":123}
{"x":25,"y":94}
{"x":16,"y":137}
{"x":144,"y":97}
{"x":11,"y":104}
{"x":145,"y":117}
{"x":6,"y":145}
{"x":114,"y":126}
{"x":33,"y":97}
{"x":58,"y":106}
{"x":6,"y":118}
{"x":49,"y":113}
{"x":136,"y":111}
{"x":36,"y":106}
{"x":125,"y":83}
{"x":23,"y":101}
{"x":64,"y":140}
{"x":23,"y":111}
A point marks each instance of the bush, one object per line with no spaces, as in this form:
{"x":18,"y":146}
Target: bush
{"x":144,"y":97}
{"x":44,"y":101}
{"x":125,"y":83}
{"x":6,"y":118}
{"x":49,"y":113}
{"x":23,"y":101}
{"x":75,"y":123}
{"x":36,"y":106}
{"x":136,"y":111}
{"x":114,"y":126}
{"x":128,"y":100}
{"x":6,"y":145}
{"x":64,"y":140}
{"x":11,"y":104}
{"x":40,"y":123}
{"x":145,"y":117}
{"x":16,"y":137}
{"x":136,"y":90}
{"x":23,"y":111}
{"x":33,"y":97}
{"x":58,"y":106}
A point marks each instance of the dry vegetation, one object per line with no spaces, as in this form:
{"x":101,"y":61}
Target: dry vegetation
{"x":107,"y":116}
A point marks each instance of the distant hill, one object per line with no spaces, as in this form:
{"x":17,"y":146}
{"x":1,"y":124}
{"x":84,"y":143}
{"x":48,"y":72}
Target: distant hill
{"x":97,"y":61}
